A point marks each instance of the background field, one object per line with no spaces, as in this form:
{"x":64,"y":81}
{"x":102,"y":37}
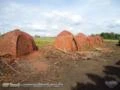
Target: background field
{"x":43,"y":41}
{"x":109,"y":40}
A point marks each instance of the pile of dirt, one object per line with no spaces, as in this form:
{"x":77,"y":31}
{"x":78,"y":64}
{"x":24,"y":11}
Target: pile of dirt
{"x":65,"y":41}
{"x":16,"y":43}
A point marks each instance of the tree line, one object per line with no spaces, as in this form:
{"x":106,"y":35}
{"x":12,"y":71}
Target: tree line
{"x":111,"y":35}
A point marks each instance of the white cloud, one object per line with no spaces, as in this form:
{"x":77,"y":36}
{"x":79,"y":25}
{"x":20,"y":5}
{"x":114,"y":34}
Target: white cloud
{"x":29,"y":17}
{"x":88,"y":18}
{"x":64,"y":14}
{"x":117,"y":21}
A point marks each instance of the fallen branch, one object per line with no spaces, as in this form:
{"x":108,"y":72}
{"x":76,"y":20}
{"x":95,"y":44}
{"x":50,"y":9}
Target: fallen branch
{"x":3,"y":61}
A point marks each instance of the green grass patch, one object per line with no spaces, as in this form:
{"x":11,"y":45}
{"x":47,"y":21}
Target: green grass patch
{"x":43,"y":41}
{"x":109,"y":40}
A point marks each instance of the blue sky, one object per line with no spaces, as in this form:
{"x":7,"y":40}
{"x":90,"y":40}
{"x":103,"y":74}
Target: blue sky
{"x":49,"y":17}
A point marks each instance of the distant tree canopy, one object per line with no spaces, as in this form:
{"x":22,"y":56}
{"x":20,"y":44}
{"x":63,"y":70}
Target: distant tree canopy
{"x":110,"y":35}
{"x":37,"y":36}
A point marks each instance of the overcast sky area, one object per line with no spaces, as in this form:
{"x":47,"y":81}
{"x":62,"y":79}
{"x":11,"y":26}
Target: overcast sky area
{"x":50,"y":17}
